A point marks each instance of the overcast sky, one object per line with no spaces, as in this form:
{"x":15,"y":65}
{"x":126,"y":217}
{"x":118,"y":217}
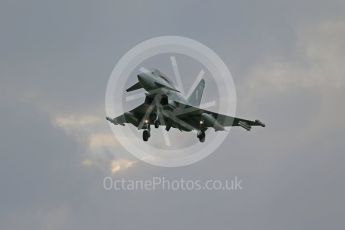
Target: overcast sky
{"x":287,"y":60}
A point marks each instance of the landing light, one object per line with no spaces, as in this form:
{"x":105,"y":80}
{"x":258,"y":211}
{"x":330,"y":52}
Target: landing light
{"x":201,"y":122}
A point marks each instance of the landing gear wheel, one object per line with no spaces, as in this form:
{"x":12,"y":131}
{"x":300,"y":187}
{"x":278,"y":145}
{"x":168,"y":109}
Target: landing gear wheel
{"x":157,"y":124}
{"x":202,"y":136}
{"x":146,"y":135}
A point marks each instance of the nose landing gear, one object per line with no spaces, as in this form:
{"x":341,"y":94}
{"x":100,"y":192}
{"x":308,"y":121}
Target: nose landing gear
{"x":147,"y":129}
{"x":201,"y":135}
{"x":157,"y":124}
{"x":146,"y":135}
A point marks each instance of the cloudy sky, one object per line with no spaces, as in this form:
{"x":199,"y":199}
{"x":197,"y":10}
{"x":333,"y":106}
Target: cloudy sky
{"x":287,"y":59}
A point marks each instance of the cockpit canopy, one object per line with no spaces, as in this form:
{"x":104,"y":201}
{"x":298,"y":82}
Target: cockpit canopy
{"x":161,"y":75}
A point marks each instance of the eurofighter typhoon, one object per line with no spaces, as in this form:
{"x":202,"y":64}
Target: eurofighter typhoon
{"x":165,"y":105}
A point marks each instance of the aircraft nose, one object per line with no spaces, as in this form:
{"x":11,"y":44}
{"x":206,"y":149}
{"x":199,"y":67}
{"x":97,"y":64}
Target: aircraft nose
{"x":143,"y":78}
{"x":146,"y":79}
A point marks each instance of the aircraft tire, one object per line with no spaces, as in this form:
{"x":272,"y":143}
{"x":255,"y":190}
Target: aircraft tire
{"x":157,"y":124}
{"x":202,"y":136}
{"x":146,"y":135}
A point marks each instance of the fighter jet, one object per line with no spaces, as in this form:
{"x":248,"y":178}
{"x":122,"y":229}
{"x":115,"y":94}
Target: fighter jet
{"x":165,"y":105}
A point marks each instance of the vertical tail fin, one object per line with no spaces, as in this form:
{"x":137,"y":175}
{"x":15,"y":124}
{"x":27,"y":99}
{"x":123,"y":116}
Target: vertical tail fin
{"x":195,"y":97}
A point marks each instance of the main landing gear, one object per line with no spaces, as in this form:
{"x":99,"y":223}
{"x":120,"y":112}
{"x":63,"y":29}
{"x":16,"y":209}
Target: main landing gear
{"x":201,"y":135}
